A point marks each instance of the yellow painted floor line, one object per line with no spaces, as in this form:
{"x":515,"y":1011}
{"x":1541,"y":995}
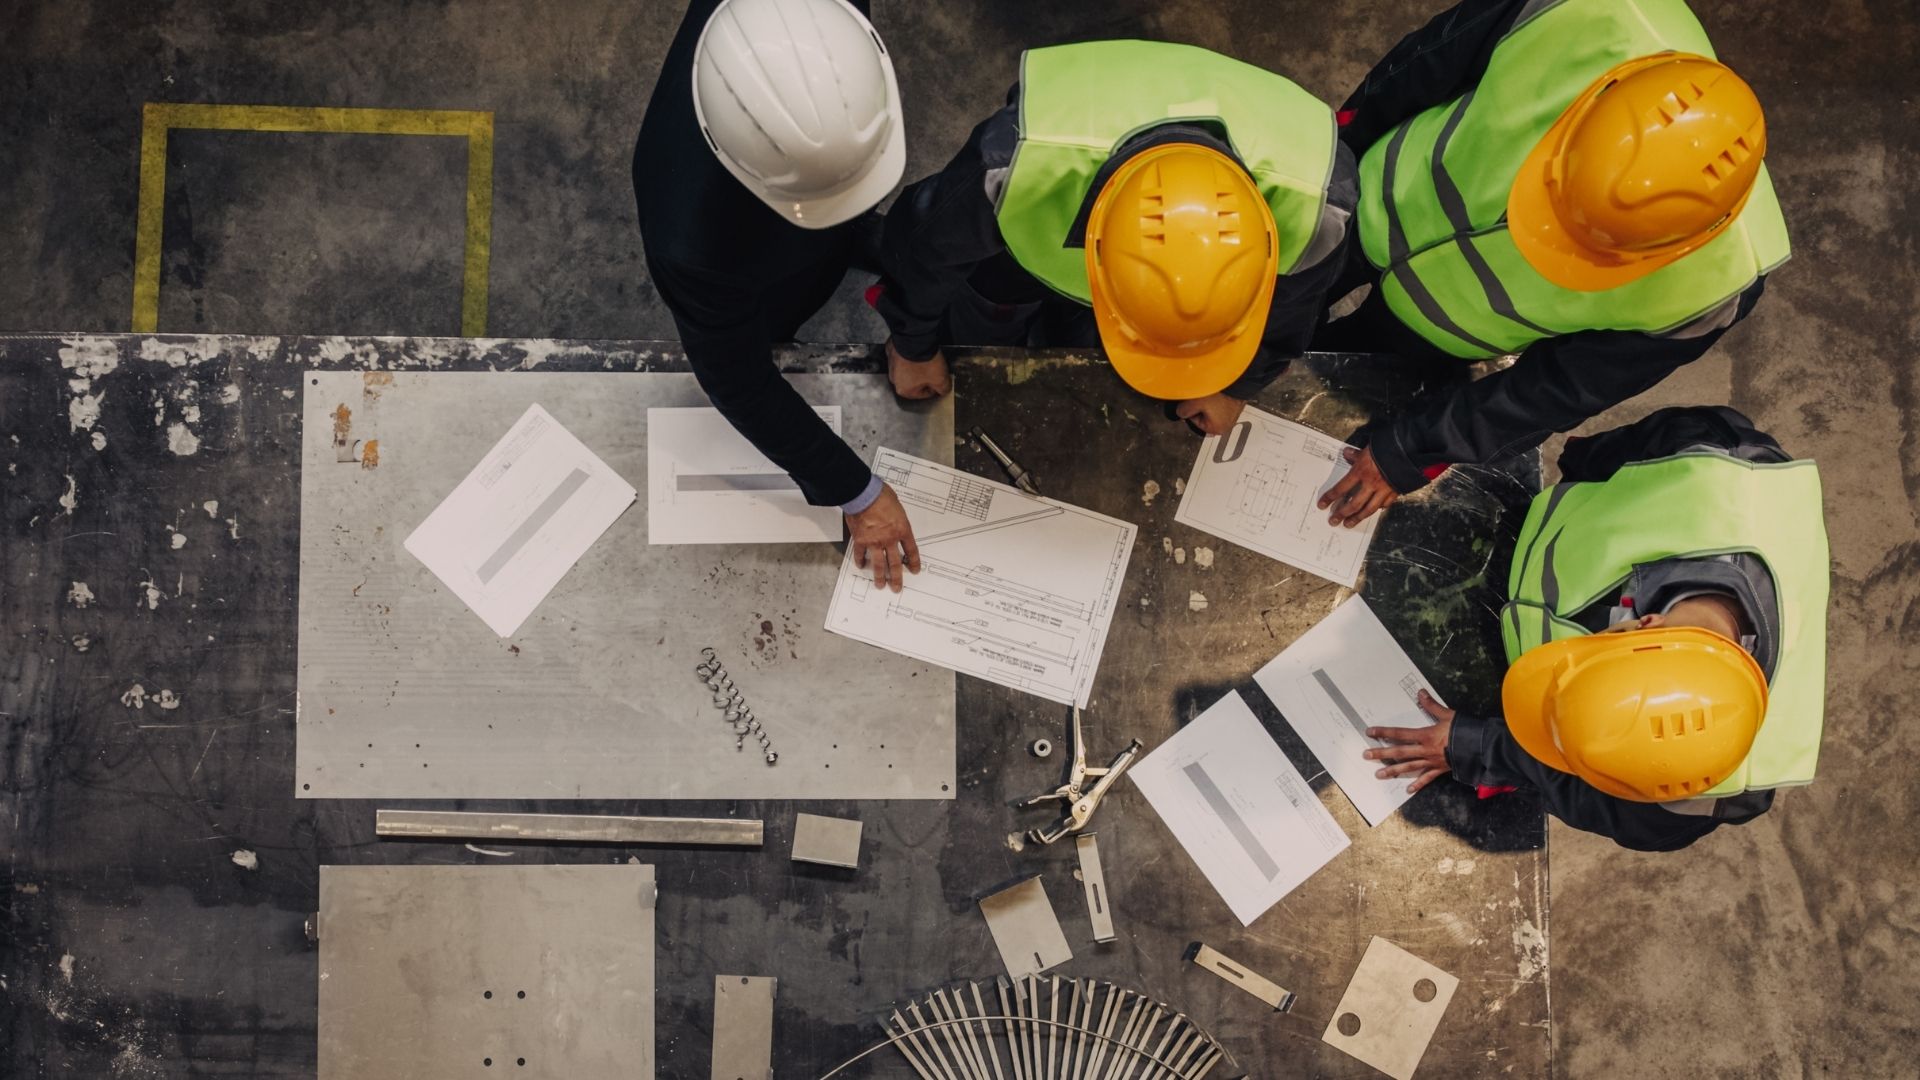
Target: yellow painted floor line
{"x":163,"y":117}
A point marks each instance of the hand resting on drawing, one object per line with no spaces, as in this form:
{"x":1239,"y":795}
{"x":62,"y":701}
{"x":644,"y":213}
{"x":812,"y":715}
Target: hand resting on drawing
{"x":882,"y":538}
{"x":1361,"y":493}
{"x":1420,"y":752}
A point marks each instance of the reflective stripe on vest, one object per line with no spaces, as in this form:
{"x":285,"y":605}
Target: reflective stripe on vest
{"x":1581,"y":542}
{"x":1433,"y":195}
{"x":1079,"y":103}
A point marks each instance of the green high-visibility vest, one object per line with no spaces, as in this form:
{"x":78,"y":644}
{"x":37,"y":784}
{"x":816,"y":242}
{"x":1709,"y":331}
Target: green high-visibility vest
{"x":1581,"y":541}
{"x":1078,"y":103}
{"x":1433,"y":195}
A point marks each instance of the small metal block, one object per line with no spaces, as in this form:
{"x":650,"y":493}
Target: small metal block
{"x":713,"y":685}
{"x":1040,"y":748}
{"x":720,"y":701}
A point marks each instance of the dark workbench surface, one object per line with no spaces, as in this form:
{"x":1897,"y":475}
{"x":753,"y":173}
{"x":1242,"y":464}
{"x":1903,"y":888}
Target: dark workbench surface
{"x":133,"y":945}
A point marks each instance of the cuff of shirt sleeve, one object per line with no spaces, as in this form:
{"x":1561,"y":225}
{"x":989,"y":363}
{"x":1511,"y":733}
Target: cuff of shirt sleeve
{"x":1393,"y":461}
{"x":866,"y":498}
{"x":1467,"y":747}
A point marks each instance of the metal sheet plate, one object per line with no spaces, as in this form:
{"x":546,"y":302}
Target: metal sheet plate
{"x":406,"y":693}
{"x":1391,"y":1009}
{"x":743,"y":1027}
{"x":457,"y":971}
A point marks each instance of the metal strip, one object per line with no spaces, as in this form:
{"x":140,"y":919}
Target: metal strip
{"x":1095,"y":880}
{"x":1258,"y":985}
{"x":567,"y":828}
{"x":542,"y":514}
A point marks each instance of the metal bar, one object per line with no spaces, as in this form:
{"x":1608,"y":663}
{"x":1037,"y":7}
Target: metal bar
{"x":957,"y":1008}
{"x":1145,"y":1036}
{"x":908,"y":1045}
{"x":567,"y":828}
{"x":1109,"y":1013}
{"x":1053,"y":1030}
{"x":1033,"y":1029}
{"x":936,"y":1004}
{"x":1077,"y":1006}
{"x":1124,"y":1052}
{"x":1160,"y":1051}
{"x":1200,"y":1040}
{"x":1205,"y":1065}
{"x":993,"y":1049}
{"x":1259,"y":986}
{"x":913,"y":1010}
{"x":1008,"y":1008}
{"x":1094,"y":879}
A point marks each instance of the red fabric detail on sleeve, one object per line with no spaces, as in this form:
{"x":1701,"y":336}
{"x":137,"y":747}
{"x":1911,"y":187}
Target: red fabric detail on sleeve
{"x":1488,"y":791}
{"x":874,"y":292}
{"x":1432,"y":472}
{"x":1345,"y":116}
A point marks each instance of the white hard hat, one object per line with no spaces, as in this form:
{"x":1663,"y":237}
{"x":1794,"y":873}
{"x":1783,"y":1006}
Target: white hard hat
{"x":799,"y":101}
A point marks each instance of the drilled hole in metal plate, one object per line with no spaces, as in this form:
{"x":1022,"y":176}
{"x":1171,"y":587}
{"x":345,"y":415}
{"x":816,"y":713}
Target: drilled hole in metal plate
{"x":522,"y":993}
{"x":488,"y":1062}
{"x":1348,"y":1024}
{"x":488,"y":994}
{"x":520,"y":1061}
{"x":1424,"y":990}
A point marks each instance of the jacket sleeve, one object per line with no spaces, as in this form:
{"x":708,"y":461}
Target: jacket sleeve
{"x":1480,"y":751}
{"x":729,"y":346}
{"x":1664,"y":433}
{"x":938,"y":230}
{"x":1555,"y":385}
{"x":1431,"y":66}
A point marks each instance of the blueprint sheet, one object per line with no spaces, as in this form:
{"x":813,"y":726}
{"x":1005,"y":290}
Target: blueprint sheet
{"x":1014,"y":589}
{"x":1338,"y":679}
{"x":1257,"y":486}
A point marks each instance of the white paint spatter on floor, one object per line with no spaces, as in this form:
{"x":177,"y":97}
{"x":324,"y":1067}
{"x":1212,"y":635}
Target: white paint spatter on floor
{"x":246,"y":860}
{"x":1180,"y":556}
{"x":1530,"y":950}
{"x":153,"y":594}
{"x":135,"y":697}
{"x":1196,"y":601}
{"x":176,"y":538}
{"x":229,"y":394}
{"x":233,"y":527}
{"x":79,"y":594}
{"x":66,"y":967}
{"x":83,"y":411}
{"x":477,"y":850}
{"x":1203,"y":558}
{"x":166,"y":699}
{"x":99,"y":441}
{"x":81,"y":643}
{"x":71,"y":500}
{"x":182,"y":441}
{"x":89,"y":357}
{"x":1149,"y":491}
{"x":1179,"y":486}
{"x":1458,"y":929}
{"x":212,"y":507}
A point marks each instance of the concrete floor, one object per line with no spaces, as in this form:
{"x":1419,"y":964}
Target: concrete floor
{"x":1786,"y":948}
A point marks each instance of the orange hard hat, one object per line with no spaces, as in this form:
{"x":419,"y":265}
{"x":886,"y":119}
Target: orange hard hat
{"x":1646,"y":715}
{"x":1649,"y":163}
{"x":1181,"y":260}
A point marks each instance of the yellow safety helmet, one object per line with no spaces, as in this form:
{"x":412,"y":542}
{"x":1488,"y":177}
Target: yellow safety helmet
{"x":1649,"y":163}
{"x":1181,"y":259}
{"x":1647,"y":715}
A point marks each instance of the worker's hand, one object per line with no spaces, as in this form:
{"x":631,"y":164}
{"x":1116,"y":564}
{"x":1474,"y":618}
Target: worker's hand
{"x":1212,"y":414}
{"x":882,"y":538}
{"x":1361,"y":493}
{"x":1419,"y":752}
{"x":914,"y":379}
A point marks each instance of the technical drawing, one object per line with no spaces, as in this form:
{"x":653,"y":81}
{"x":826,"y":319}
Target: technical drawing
{"x":1259,"y":487}
{"x":1013,"y":589}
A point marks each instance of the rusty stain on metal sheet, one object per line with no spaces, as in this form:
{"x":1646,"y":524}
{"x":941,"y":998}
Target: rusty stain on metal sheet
{"x":370,"y":454}
{"x":343,"y":434}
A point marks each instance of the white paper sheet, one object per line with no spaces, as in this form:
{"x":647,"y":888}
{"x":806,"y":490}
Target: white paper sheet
{"x":520,"y":520}
{"x":1013,"y":589}
{"x":1338,"y":679}
{"x":1243,"y":812}
{"x":706,"y":484}
{"x":1257,"y":486}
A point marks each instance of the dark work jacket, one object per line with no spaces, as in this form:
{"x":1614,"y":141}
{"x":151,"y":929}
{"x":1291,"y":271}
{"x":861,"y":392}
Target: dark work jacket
{"x":1557,"y":383}
{"x":1481,"y":751}
{"x":738,"y":278}
{"x":943,"y":235}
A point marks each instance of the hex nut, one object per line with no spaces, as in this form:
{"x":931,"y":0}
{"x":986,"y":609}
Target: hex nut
{"x":1040,"y":748}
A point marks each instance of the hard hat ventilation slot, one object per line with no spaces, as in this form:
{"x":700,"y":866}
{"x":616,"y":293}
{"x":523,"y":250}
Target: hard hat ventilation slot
{"x":1699,"y":719}
{"x":1659,"y":725}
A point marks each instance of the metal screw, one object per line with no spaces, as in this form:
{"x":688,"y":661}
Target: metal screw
{"x":773,"y":758}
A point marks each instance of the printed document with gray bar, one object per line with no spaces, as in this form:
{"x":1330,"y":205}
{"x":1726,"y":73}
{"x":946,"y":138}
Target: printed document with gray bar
{"x":1338,"y":679}
{"x":706,"y":484}
{"x":520,"y":520}
{"x":1237,"y":805}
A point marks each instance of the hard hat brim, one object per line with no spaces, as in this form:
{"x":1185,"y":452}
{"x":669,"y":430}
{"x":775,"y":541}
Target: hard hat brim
{"x":1169,"y":378}
{"x":1523,"y":698}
